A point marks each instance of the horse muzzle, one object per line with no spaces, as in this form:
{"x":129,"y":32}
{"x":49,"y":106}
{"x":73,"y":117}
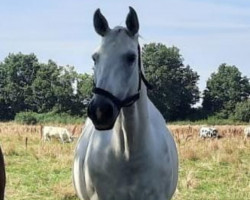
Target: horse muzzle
{"x":102,"y":112}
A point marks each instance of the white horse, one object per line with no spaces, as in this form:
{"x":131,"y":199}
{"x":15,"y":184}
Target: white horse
{"x":125,"y":151}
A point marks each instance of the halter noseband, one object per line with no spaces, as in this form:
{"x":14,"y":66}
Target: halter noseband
{"x":131,"y":99}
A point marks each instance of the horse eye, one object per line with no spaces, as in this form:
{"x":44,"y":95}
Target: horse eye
{"x":130,"y":58}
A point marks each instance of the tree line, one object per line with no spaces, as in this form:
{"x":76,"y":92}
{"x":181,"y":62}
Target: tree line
{"x":26,"y":85}
{"x":226,"y":96}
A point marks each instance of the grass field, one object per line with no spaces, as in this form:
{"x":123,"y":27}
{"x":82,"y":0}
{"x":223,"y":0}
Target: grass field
{"x":211,"y":169}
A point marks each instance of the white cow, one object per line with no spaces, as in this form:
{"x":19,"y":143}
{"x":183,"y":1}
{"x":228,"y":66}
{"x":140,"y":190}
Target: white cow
{"x":49,"y":132}
{"x":206,"y":132}
{"x":247,"y":132}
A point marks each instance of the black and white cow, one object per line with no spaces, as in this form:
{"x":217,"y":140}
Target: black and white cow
{"x":208,"y":132}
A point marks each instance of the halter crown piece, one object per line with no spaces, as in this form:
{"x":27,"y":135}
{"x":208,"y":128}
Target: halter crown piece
{"x":131,"y":99}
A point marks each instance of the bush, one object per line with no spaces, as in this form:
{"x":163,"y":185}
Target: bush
{"x":59,"y":118}
{"x":29,"y":118}
{"x":32,"y":118}
{"x":242,"y":111}
{"x":210,"y":121}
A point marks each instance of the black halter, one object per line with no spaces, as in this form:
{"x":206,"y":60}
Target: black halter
{"x":131,"y":99}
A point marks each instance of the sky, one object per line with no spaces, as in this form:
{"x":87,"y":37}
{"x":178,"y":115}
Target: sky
{"x":207,"y":32}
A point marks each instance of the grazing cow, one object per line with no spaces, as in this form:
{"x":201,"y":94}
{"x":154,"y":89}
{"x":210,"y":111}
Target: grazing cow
{"x":2,"y":175}
{"x":49,"y":132}
{"x":247,"y":132}
{"x":208,"y":132}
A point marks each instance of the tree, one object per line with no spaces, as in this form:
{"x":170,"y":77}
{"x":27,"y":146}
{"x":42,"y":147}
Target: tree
{"x":242,"y":111}
{"x":27,"y":85}
{"x":17,"y":74}
{"x":44,"y":97}
{"x":224,"y":90}
{"x":64,"y":90}
{"x":5,"y":111}
{"x":84,"y":90}
{"x":85,"y":86}
{"x":53,"y":89}
{"x":175,"y":85}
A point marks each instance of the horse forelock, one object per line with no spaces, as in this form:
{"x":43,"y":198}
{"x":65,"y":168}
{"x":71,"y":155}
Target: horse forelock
{"x":119,"y":32}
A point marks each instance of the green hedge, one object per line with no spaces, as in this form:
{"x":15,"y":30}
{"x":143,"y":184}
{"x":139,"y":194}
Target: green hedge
{"x":37,"y":118}
{"x":64,"y":118}
{"x":26,"y":118}
{"x":212,"y":120}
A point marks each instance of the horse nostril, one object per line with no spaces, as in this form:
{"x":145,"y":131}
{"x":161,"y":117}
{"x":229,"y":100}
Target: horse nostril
{"x":100,"y":113}
{"x":104,"y":112}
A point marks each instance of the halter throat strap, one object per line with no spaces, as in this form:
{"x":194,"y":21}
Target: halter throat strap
{"x":131,"y":99}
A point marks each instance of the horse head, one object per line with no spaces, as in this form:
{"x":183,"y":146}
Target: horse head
{"x":117,"y":71}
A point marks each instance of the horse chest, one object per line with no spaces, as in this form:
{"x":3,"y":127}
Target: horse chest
{"x":117,"y":178}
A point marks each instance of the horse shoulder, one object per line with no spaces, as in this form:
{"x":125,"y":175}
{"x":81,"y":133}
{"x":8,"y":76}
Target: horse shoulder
{"x":158,"y":124}
{"x":165,"y":148}
{"x":81,"y":180}
{"x":92,"y":159}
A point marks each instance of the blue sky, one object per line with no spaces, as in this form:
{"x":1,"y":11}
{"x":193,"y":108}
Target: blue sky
{"x":207,"y":32}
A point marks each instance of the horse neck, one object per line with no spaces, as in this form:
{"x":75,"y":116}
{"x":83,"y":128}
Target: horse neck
{"x":132,"y":126}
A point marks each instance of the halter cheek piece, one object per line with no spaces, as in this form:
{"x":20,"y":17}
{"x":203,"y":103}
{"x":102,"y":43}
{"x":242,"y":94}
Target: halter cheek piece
{"x":131,"y":99}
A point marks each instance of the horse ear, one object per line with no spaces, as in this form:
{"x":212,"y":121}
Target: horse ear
{"x":132,"y":21}
{"x":100,"y":23}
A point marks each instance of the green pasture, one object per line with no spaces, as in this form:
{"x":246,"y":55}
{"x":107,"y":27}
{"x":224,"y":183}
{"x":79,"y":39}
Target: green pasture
{"x":209,"y":169}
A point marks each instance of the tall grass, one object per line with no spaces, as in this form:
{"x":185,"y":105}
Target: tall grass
{"x":213,"y":169}
{"x":35,"y":169}
{"x":210,"y":169}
